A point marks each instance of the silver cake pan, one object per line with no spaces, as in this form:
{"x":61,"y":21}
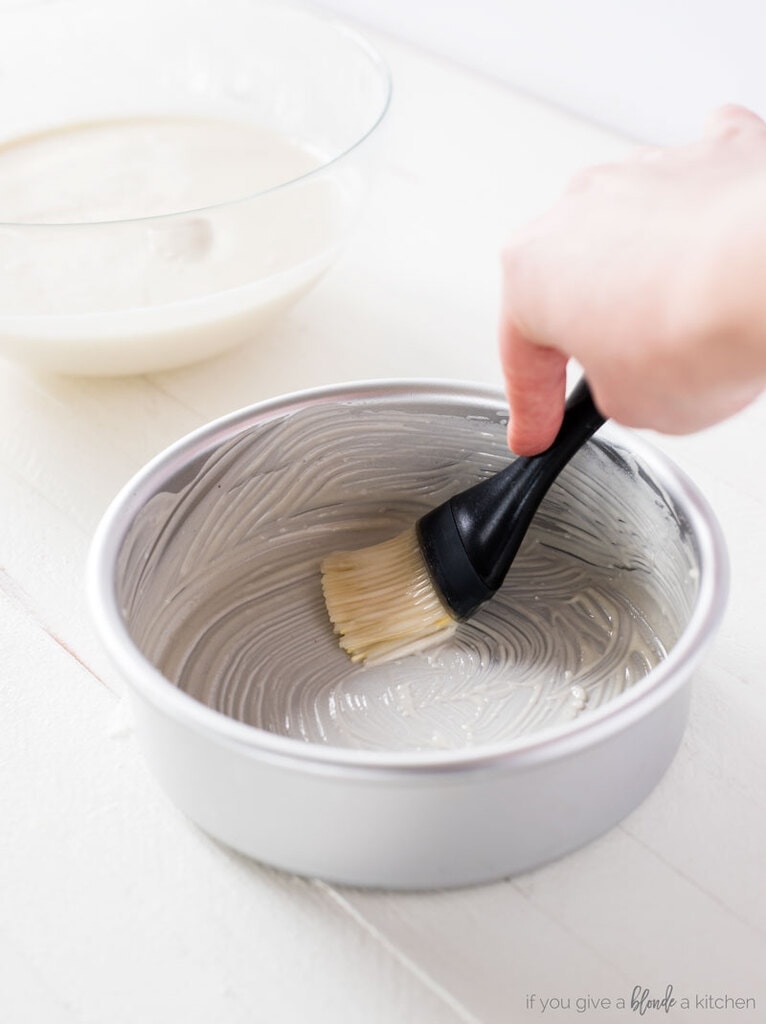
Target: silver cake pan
{"x":538,"y":728}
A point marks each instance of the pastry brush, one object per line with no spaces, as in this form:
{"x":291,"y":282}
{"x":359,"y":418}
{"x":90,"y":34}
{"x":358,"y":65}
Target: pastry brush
{"x":409,"y":593}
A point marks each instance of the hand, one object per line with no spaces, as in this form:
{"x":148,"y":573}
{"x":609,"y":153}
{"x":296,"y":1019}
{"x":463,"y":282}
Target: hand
{"x":652,"y":274}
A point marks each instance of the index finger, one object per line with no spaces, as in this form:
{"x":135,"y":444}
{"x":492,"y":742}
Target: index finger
{"x":535,"y":383}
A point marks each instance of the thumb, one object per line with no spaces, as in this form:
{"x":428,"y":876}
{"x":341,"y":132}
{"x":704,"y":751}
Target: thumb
{"x":535,"y":383}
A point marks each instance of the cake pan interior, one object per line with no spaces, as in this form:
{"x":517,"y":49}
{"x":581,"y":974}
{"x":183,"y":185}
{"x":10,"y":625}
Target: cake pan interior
{"x":218,"y":584}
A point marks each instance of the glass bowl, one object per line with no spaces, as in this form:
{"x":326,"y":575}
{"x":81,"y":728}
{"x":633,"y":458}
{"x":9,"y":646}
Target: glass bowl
{"x":174,"y":175}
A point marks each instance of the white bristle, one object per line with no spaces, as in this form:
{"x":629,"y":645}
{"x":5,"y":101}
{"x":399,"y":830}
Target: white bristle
{"x":382,"y":602}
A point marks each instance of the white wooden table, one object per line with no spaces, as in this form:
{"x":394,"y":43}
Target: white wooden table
{"x":114,"y":908}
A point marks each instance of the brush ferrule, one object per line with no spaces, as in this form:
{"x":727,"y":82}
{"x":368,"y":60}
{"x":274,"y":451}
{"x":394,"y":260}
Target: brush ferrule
{"x":459,"y":585}
{"x":470,"y":541}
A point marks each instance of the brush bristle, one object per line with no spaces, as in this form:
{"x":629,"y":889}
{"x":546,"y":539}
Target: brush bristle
{"x":382,"y":602}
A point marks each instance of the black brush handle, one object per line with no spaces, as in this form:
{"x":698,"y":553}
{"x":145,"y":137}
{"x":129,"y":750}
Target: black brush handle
{"x":470,"y":541}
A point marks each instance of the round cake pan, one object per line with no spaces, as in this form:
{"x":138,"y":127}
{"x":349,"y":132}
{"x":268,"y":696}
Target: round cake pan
{"x":537,"y":727}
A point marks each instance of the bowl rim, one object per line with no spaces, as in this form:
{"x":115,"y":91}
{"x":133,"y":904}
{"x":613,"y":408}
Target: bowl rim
{"x":281,"y":8}
{"x":536,"y":748}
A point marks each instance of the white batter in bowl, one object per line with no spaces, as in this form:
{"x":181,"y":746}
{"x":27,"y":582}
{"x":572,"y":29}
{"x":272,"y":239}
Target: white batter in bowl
{"x":173,"y":176}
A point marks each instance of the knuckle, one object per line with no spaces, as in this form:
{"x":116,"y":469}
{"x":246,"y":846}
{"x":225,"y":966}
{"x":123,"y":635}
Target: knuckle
{"x":731,"y":120}
{"x":590,"y":177}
